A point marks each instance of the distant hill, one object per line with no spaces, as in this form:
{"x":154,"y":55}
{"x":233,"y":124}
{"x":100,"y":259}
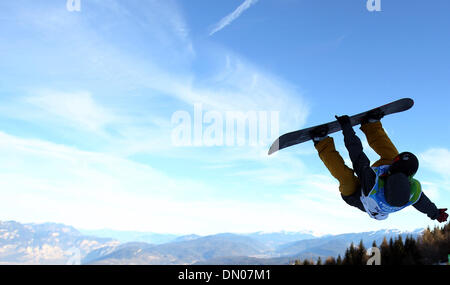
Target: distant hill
{"x":334,"y":245}
{"x":119,"y":251}
{"x":132,"y":236}
{"x":47,"y":243}
{"x":54,"y":244}
{"x":187,"y":252}
{"x":323,"y":247}
{"x":245,"y":249}
{"x":276,"y":239}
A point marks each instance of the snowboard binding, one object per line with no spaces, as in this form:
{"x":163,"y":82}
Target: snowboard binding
{"x":373,"y":116}
{"x":319,"y":133}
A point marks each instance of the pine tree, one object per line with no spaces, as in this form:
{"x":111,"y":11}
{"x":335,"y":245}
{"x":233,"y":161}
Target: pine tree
{"x":434,"y":245}
{"x":319,"y":261}
{"x":330,"y":261}
{"x":391,"y":244}
{"x":307,"y":262}
{"x":361,"y":256}
{"x":398,"y":252}
{"x":426,"y":247}
{"x":339,"y":260}
{"x":352,"y":254}
{"x":385,"y":252}
{"x":412,"y":256}
{"x":349,"y":254}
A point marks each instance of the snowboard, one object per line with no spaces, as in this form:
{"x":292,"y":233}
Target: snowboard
{"x":301,"y":136}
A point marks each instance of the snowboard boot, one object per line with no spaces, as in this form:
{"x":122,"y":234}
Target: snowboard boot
{"x":318,"y":134}
{"x":372,"y":116}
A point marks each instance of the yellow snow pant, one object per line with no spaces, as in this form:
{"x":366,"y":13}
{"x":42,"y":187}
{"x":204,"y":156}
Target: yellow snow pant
{"x":378,"y":141}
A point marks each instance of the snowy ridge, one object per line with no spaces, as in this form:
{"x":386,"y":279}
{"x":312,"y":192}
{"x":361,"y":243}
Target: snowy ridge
{"x":49,"y":244}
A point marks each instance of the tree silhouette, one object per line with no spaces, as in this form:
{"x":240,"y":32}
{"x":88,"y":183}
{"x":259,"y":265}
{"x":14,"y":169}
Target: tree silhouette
{"x":319,"y":261}
{"x":412,"y":252}
{"x":348,"y":256}
{"x":431,"y":247}
{"x":339,"y":260}
{"x":330,"y":261}
{"x":385,"y":252}
{"x":361,"y":254}
{"x":434,"y":245}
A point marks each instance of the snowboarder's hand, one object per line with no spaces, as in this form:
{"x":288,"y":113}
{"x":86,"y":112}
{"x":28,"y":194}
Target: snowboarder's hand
{"x":442,"y":216}
{"x":343,"y":120}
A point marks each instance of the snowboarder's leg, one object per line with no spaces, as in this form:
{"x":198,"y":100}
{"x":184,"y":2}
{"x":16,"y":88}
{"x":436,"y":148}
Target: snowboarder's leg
{"x":380,"y":143}
{"x":348,"y":182}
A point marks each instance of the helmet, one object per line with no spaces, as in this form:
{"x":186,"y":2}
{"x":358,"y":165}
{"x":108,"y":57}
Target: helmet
{"x":397,"y":189}
{"x":406,"y":163}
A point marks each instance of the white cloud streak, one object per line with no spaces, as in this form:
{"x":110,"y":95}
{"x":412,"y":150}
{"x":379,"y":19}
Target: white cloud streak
{"x":438,"y":160}
{"x":43,"y":181}
{"x":78,"y":108}
{"x":233,"y":16}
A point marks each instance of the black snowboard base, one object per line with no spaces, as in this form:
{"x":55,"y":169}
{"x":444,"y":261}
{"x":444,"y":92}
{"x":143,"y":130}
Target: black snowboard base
{"x":304,"y":135}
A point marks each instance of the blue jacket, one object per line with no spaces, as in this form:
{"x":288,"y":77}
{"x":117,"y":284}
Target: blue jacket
{"x":375,"y":202}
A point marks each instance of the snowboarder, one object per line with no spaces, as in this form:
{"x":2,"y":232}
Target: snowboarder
{"x":379,"y":189}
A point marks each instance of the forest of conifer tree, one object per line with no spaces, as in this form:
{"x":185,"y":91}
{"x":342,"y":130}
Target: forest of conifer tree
{"x":432,"y":247}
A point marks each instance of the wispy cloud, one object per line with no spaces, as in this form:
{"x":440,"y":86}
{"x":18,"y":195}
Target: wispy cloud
{"x":233,"y":16}
{"x":78,"y":108}
{"x":438,"y":160}
{"x":94,"y":190}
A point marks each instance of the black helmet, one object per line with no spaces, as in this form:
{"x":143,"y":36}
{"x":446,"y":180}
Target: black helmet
{"x":397,"y":189}
{"x":406,"y":163}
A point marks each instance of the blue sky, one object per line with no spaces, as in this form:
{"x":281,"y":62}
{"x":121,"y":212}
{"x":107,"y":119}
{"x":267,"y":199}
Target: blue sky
{"x":87,"y":101}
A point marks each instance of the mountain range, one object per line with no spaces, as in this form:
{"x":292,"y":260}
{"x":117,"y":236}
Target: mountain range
{"x":47,"y":243}
{"x":61,"y":244}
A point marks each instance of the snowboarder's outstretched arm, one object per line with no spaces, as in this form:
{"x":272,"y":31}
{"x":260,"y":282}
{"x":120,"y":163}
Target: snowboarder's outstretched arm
{"x":360,"y":161}
{"x":427,"y":207}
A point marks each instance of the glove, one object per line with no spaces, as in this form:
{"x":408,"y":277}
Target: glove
{"x":442,"y":218}
{"x":343,"y":120}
